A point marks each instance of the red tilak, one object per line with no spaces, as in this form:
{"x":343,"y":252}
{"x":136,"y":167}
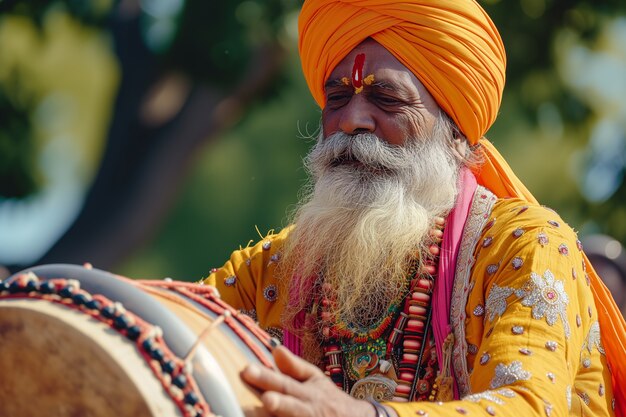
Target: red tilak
{"x":357,"y":71}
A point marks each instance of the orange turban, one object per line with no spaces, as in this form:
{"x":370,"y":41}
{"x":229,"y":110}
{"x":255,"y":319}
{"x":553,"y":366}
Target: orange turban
{"x":454,"y":49}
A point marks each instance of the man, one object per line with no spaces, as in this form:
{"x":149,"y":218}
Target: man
{"x":419,"y":272}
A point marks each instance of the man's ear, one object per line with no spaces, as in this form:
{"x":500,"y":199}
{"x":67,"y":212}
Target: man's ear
{"x":460,"y":146}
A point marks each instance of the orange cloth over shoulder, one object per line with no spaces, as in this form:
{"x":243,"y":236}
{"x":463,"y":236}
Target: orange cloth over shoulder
{"x":455,"y":50}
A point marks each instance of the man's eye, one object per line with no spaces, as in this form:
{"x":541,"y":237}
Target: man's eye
{"x":388,"y":101}
{"x":337,"y":99}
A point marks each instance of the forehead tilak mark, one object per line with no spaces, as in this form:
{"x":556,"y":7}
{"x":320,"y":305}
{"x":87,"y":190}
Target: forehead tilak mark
{"x":357,"y":70}
{"x":357,"y":75}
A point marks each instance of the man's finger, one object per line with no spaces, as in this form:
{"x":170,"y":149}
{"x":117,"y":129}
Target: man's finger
{"x":281,"y":405}
{"x":269,"y":380}
{"x":291,"y":365}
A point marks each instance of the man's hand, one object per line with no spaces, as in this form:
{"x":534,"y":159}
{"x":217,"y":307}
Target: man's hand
{"x":302,"y":390}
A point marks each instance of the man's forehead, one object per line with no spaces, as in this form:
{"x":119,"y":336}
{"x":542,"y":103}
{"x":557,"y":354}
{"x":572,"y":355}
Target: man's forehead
{"x":370,"y":57}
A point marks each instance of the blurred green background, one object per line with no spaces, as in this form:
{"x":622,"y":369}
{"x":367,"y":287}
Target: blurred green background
{"x":153,"y":137}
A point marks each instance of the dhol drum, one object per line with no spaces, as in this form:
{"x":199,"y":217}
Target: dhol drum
{"x":76,"y":341}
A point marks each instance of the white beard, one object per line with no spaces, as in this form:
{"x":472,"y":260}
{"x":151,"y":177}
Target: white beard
{"x":361,"y":224}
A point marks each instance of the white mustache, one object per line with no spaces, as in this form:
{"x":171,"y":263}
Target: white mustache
{"x":365,"y":148}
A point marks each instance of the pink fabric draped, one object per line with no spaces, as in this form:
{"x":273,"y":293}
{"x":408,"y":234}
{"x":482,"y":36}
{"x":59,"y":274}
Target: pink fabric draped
{"x":455,"y":223}
{"x":293,"y":341}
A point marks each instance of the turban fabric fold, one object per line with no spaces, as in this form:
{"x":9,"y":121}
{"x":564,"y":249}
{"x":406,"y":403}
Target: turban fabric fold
{"x":454,"y":49}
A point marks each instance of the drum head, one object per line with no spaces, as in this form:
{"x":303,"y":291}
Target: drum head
{"x":54,"y":363}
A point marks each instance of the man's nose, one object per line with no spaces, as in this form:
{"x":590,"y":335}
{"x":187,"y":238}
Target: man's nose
{"x":357,"y":117}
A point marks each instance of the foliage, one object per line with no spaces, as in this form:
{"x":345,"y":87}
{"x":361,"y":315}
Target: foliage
{"x":249,"y":177}
{"x":18,"y":168}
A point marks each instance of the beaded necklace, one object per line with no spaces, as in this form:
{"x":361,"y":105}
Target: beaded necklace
{"x":363,"y":362}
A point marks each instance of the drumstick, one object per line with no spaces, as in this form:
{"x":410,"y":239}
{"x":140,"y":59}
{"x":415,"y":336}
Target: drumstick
{"x":187,"y":358}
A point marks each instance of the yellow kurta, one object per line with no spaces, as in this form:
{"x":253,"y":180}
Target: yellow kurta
{"x":527,"y":340}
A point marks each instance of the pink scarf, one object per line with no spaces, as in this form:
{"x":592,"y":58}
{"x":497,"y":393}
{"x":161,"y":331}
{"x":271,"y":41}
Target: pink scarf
{"x":453,"y":232}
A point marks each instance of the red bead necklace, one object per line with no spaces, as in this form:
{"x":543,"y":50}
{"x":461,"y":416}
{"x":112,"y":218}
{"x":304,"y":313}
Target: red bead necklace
{"x":408,"y":340}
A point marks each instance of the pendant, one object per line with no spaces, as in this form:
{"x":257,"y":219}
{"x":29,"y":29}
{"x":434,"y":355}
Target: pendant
{"x":363,"y":359}
{"x":374,"y":387}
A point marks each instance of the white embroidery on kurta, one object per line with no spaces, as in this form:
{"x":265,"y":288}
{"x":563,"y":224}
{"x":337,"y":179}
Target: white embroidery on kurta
{"x":568,"y":397}
{"x":551,"y":345}
{"x":491,"y":395}
{"x":496,"y":301}
{"x":507,"y":375}
{"x":593,"y":338}
{"x":547,"y":297}
{"x":482,"y":205}
{"x":547,"y":408}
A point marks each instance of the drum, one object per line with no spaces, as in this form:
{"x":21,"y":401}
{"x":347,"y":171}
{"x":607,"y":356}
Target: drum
{"x":76,"y":341}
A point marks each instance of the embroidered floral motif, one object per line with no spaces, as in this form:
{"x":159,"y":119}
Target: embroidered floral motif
{"x":267,"y":245}
{"x":592,"y":340}
{"x":487,"y":241}
{"x":542,"y":238}
{"x":507,"y":375}
{"x":491,"y":396}
{"x":496,"y":301}
{"x":230,"y":281}
{"x":563,"y":250}
{"x":548,"y":298}
{"x":518,"y":232}
{"x":270,"y":293}
{"x":479,"y":310}
{"x":517,"y":263}
{"x":248,"y":261}
{"x":484,"y":358}
{"x":517,"y":330}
